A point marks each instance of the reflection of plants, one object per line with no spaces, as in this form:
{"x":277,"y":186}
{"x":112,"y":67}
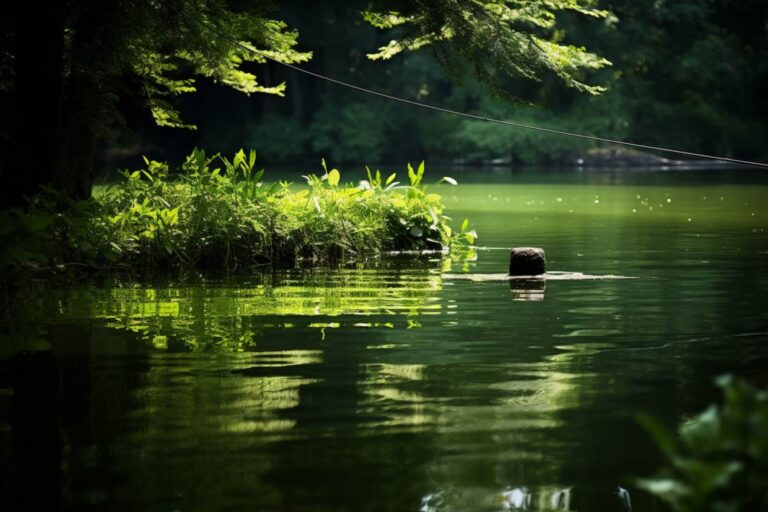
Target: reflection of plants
{"x":219,"y":213}
{"x":232,"y":319}
{"x":720,"y":461}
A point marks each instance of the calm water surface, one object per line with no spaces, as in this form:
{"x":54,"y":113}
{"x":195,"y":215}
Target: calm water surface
{"x":395,"y":386}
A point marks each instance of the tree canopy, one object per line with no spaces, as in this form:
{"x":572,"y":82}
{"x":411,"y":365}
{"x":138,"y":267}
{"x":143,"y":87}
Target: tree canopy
{"x":688,"y":74}
{"x":67,"y":73}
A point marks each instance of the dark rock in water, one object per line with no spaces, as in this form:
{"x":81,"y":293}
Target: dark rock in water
{"x":527,"y":261}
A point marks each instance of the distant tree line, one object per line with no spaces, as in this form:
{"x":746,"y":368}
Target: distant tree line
{"x":687,"y":74}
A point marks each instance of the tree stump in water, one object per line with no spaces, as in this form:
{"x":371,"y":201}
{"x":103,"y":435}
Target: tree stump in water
{"x":527,"y":261}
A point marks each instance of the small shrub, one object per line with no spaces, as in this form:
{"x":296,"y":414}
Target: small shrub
{"x":219,"y":213}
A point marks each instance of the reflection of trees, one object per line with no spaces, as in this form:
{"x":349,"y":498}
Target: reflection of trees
{"x":134,"y":424}
{"x":316,"y":379}
{"x":671,"y":331}
{"x":234,"y":318}
{"x":37,"y":449}
{"x":522,"y":371}
{"x":210,"y":421}
{"x":68,"y":408}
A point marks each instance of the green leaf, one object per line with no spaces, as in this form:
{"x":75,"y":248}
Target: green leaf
{"x":702,"y":430}
{"x":666,"y":488}
{"x":411,"y":174}
{"x":239,"y":159}
{"x":665,"y":441}
{"x":333,"y":177}
{"x":464,"y":225}
{"x":433,"y":215}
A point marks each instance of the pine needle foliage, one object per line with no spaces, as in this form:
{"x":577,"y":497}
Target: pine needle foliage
{"x":185,"y":39}
{"x":496,"y":39}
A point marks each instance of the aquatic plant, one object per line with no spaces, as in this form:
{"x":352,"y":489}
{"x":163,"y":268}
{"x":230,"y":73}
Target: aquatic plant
{"x":719,"y":459}
{"x":216,"y":212}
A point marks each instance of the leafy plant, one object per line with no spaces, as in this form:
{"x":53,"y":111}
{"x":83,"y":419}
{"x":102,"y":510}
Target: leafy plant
{"x":217,"y":212}
{"x":719,"y":459}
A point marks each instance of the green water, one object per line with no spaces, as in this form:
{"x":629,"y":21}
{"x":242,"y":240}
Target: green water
{"x":395,"y":385}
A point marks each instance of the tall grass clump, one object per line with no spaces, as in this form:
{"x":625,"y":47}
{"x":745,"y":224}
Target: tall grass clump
{"x":216,"y":212}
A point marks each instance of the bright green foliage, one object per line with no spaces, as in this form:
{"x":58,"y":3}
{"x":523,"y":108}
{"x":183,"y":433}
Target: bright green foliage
{"x":164,"y":46}
{"x":499,"y":38}
{"x":206,"y":39}
{"x":720,"y":462}
{"x":219,"y":213}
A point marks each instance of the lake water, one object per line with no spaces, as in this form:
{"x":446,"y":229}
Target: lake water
{"x":400,"y":385}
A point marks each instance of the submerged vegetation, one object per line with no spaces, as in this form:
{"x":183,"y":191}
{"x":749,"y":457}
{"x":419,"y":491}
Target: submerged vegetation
{"x":219,"y":213}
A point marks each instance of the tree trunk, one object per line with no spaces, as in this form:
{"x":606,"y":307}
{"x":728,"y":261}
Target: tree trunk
{"x":59,"y":117}
{"x":75,"y":156}
{"x":37,"y":100}
{"x":91,"y":94}
{"x":86,"y":96}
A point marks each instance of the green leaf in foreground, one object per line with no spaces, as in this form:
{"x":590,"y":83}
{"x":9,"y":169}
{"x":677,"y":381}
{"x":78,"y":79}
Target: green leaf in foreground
{"x":719,"y":459}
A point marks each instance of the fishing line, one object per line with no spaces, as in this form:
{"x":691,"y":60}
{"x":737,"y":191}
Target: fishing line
{"x":492,"y":120}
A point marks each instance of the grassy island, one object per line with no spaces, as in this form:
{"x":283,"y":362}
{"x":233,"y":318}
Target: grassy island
{"x":219,"y":213}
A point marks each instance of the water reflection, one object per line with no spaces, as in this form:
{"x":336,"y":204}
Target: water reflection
{"x":545,"y":498}
{"x":390,"y":388}
{"x":213,"y":316}
{"x":527,"y":289}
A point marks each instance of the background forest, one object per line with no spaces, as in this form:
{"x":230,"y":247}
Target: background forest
{"x":686,"y":74}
